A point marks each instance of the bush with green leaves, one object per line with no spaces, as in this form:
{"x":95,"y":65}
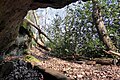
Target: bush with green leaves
{"x":76,"y":34}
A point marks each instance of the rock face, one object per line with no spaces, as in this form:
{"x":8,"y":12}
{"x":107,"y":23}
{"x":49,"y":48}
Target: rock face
{"x":19,"y":70}
{"x":12,"y":13}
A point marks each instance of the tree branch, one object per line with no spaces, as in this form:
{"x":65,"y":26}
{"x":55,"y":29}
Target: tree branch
{"x":31,"y":23}
{"x":112,"y":52}
{"x":36,"y":22}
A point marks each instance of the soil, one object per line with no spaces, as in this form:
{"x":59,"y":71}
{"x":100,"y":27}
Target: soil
{"x":76,"y":71}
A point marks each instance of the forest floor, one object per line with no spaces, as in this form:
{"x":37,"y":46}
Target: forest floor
{"x":77,"y":71}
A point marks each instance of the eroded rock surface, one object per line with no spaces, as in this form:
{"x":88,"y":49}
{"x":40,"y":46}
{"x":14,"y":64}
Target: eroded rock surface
{"x":12,"y":13}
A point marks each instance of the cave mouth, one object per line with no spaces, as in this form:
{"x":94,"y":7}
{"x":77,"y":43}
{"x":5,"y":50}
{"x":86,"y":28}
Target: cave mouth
{"x":12,"y":14}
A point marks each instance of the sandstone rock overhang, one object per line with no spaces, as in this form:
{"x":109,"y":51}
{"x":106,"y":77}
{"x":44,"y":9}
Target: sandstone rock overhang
{"x":50,"y":3}
{"x":12,"y":13}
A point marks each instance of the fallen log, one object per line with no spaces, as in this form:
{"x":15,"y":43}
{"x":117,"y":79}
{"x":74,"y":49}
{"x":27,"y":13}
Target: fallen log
{"x":47,"y":73}
{"x":50,"y":74}
{"x":102,"y":61}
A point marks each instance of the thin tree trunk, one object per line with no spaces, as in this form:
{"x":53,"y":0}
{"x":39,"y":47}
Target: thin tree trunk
{"x":101,"y":29}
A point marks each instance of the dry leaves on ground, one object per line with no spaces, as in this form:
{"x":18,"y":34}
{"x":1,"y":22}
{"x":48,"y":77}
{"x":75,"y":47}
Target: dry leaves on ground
{"x":80,"y":71}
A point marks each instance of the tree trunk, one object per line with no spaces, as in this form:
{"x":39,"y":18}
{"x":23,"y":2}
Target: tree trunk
{"x":12,"y":13}
{"x":101,"y":29}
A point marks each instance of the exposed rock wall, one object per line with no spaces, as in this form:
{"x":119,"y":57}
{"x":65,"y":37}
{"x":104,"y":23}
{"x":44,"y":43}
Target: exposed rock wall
{"x":12,"y":13}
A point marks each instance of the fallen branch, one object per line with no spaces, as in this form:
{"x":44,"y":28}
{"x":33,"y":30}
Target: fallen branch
{"x":43,"y":47}
{"x":51,"y":74}
{"x":102,"y":61}
{"x":36,"y":22}
{"x":33,"y":37}
{"x":35,"y":26}
{"x":112,"y":52}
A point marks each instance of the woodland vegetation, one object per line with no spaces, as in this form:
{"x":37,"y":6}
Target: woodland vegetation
{"x":90,"y":28}
{"x":89,"y":33}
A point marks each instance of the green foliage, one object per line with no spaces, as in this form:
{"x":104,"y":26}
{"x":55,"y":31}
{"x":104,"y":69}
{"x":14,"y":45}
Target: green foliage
{"x":76,"y":33}
{"x":111,"y":18}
